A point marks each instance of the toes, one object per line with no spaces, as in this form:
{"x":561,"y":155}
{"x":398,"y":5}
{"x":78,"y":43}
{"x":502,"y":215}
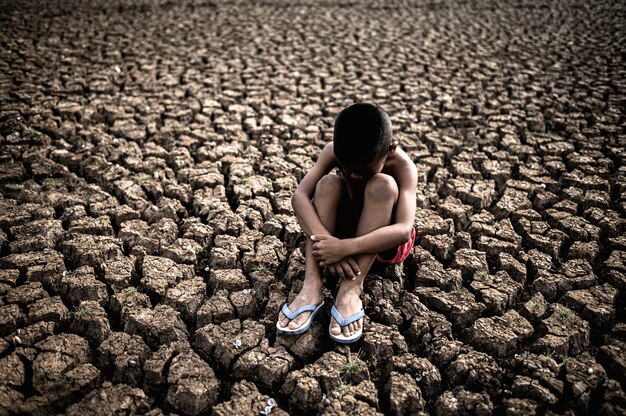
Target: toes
{"x":297,"y":322}
{"x":334,"y":328}
{"x":346,"y":330}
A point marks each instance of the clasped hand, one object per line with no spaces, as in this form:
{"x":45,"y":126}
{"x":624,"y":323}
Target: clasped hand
{"x":332,"y":252}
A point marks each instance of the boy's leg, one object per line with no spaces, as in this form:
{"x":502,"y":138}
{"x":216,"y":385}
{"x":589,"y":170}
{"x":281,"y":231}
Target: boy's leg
{"x":328,"y":194}
{"x":381,"y":195}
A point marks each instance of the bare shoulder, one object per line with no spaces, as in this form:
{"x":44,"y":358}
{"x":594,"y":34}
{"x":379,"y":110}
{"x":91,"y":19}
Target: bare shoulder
{"x":327,"y":155}
{"x":403,"y":169}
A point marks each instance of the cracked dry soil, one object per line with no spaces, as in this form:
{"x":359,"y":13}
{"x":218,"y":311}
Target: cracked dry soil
{"x":148,"y":153}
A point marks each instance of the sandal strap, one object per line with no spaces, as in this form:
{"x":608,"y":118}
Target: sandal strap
{"x":343,"y":322}
{"x":305,"y":308}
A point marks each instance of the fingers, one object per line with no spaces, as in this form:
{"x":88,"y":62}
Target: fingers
{"x":332,"y":269}
{"x":347,"y":269}
{"x":340,"y":270}
{"x":355,"y":267}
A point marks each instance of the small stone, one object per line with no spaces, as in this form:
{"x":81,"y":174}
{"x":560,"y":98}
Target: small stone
{"x":206,"y":269}
{"x":246,"y":291}
{"x":590,"y":370}
{"x":65,"y":273}
{"x":237,"y":343}
{"x":271,"y":402}
{"x":418,"y":377}
{"x":117,"y":69}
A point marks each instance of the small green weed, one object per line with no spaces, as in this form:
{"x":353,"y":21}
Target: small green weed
{"x":83,"y":311}
{"x":131,"y":291}
{"x":564,"y":314}
{"x":261,"y":268}
{"x":354,"y":366}
{"x":60,"y":384}
{"x":538,"y":306}
{"x":483,"y":275}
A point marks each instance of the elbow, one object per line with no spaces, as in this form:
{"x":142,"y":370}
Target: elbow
{"x":406,"y":233}
{"x":295,"y":201}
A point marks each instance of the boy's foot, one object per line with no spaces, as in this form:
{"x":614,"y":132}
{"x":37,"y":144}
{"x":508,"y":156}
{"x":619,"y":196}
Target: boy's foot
{"x":307,"y":296}
{"x":347,"y":303}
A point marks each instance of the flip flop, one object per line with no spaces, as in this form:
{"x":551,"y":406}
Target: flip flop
{"x":284,"y":330}
{"x":341,"y":338}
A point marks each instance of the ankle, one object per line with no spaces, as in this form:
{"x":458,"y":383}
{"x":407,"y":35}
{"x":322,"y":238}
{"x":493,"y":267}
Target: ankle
{"x":351,"y":287}
{"x":312,"y":287}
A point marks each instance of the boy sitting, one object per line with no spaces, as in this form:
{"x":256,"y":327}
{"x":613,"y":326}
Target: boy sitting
{"x":366,"y":212}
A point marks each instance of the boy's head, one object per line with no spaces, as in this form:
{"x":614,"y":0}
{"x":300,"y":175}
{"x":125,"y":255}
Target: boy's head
{"x":362,"y":134}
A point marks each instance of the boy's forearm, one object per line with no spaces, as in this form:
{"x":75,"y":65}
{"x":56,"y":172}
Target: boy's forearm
{"x":379,"y":240}
{"x":307,"y":216}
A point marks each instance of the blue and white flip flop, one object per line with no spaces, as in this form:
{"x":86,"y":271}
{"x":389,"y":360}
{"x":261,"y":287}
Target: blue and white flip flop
{"x":284,"y":330}
{"x":341,"y":338}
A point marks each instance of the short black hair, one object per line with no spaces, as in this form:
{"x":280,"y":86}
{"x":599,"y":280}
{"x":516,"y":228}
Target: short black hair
{"x":362,"y":132}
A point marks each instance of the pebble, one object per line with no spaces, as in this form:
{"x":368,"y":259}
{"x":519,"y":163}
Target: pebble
{"x":237,"y":343}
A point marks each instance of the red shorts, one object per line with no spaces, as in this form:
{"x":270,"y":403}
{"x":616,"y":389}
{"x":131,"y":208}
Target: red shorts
{"x":403,"y":250}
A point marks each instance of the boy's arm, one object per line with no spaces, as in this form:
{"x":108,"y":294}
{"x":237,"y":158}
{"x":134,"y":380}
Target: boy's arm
{"x":390,"y":236}
{"x":301,"y":200}
{"x":330,"y":249}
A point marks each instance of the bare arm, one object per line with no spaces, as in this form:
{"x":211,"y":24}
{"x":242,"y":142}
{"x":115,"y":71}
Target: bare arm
{"x":301,"y":200}
{"x":391,"y":236}
{"x":329,"y":249}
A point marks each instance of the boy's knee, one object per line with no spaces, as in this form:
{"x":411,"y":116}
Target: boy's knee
{"x":381,"y":187}
{"x":329,"y":185}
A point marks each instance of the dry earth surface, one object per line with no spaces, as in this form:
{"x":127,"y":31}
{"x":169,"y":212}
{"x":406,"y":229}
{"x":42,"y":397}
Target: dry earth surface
{"x":148,"y":155}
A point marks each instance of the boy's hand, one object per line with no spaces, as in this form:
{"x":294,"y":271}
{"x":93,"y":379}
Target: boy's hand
{"x":328,"y":249}
{"x":346,"y":268}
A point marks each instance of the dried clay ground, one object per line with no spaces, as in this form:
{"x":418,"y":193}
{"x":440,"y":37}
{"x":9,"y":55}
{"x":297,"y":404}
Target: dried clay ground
{"x":149,"y":151}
